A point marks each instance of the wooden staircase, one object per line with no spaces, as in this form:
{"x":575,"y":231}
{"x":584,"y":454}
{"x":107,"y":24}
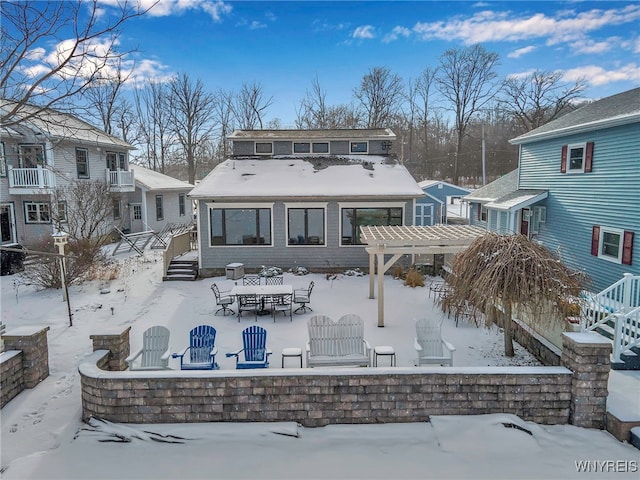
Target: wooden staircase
{"x":182,"y":270}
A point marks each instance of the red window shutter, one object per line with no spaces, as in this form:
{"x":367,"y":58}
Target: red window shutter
{"x":563,"y":159}
{"x":595,"y":240}
{"x":627,"y":248}
{"x":588,"y":158}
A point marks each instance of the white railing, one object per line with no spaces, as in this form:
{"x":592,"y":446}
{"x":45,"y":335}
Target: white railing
{"x":31,"y":178}
{"x":177,"y":245}
{"x":120,"y":178}
{"x":621,"y":297}
{"x":627,"y":332}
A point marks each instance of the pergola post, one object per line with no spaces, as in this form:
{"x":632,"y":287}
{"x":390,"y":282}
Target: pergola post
{"x":372,"y":272}
{"x":380,"y":257}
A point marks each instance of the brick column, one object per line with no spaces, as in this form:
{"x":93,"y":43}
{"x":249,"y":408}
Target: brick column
{"x":32,"y":341}
{"x":588,"y":356}
{"x":118,"y":346}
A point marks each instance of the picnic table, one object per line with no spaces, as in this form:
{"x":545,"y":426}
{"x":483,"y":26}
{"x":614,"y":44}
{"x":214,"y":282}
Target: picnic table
{"x":264,"y":293}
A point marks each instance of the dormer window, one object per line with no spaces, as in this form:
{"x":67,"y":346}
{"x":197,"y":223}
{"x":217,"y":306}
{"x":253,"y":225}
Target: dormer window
{"x":264,"y":148}
{"x":301,"y":147}
{"x":359,"y":147}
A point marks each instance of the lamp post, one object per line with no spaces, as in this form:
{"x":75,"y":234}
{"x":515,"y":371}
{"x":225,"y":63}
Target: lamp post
{"x":60,"y":239}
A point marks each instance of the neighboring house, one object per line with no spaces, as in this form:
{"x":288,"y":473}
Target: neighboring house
{"x":49,"y":151}
{"x":297,"y":198}
{"x":432,"y":208}
{"x":158,"y":200}
{"x":577,"y":189}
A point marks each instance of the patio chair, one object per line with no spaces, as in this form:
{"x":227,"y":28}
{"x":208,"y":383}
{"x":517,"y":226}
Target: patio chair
{"x":223,"y":300}
{"x":201,"y":350}
{"x":431,"y":347}
{"x":256,"y":355}
{"x":252,"y":280}
{"x":249,"y":303}
{"x":155,"y":351}
{"x":276,"y":280}
{"x":282,"y":303}
{"x":302,"y":296}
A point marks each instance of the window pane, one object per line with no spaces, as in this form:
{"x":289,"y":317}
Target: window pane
{"x":265,"y":226}
{"x":347,"y":226}
{"x":159,"y":208}
{"x":575,"y":158}
{"x":296,"y":226}
{"x":217,"y":233}
{"x":320,"y":148}
{"x":301,"y":148}
{"x":611,"y":244}
{"x":137,"y":212}
{"x":3,"y":161}
{"x":181,"y":204}
{"x":358,"y":147}
{"x":315,"y":226}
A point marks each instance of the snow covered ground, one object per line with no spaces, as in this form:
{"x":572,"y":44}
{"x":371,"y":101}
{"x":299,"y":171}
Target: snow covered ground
{"x":43,"y":437}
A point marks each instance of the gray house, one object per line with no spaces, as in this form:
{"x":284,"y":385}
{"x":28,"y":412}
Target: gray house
{"x":297,"y":198}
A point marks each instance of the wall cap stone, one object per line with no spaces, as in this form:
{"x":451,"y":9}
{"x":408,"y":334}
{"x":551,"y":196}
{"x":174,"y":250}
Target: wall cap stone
{"x":114,"y":332}
{"x":24,"y":331}
{"x":8,"y":355}
{"x":586,"y":338}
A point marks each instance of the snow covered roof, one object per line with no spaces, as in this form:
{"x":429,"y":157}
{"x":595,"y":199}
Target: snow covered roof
{"x":430,"y":183}
{"x":498,"y":188}
{"x":517,"y":200}
{"x":290,"y":176}
{"x":58,"y":125}
{"x":416,"y":236}
{"x":330,"y":134}
{"x":151,"y":180}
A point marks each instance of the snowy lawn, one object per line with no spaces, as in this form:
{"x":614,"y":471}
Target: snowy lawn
{"x":42,"y":436}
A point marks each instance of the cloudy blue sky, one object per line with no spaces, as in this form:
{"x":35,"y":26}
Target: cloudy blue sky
{"x":284,"y":45}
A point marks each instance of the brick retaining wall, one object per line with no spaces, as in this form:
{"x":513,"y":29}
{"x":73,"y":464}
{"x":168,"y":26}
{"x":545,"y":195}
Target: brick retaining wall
{"x":314,"y":397}
{"x":25,"y":363}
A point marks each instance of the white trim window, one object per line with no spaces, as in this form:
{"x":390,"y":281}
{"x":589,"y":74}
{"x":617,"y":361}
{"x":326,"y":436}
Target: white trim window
{"x":320,"y":147}
{"x":181,"y":204}
{"x":37,"y":212}
{"x":306,"y":226}
{"x":577,"y":158}
{"x":538,"y":216}
{"x":354,"y":217}
{"x":82,"y":162}
{"x":159,"y":208}
{"x":610,"y":244}
{"x":31,"y":156}
{"x":3,"y":161}
{"x":359,"y":147}
{"x":7,"y":224}
{"x":236,"y":225}
{"x":301,"y":147}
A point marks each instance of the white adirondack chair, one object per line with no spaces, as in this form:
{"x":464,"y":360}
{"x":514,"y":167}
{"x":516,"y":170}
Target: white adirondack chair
{"x":431,"y":347}
{"x":155,"y":351}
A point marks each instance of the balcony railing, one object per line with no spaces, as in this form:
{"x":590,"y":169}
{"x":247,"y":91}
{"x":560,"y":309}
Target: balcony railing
{"x":122,"y":180}
{"x":31,"y":178}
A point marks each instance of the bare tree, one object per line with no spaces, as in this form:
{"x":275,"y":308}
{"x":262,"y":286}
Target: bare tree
{"x":313,"y":111}
{"x":467,"y":79}
{"x":192,"y":115}
{"x":153,"y":128}
{"x":28,"y":76}
{"x":251,"y":106}
{"x":420,"y":98}
{"x":104,"y":97}
{"x":505,"y":271}
{"x":224,"y":117}
{"x":538,"y":98}
{"x":380,"y":95}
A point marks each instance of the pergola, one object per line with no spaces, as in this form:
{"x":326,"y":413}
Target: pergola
{"x":401,"y":240}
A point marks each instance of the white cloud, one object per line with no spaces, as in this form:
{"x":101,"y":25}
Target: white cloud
{"x":397,"y":32}
{"x":255,"y":25}
{"x":521,"y":51}
{"x":589,"y":46}
{"x":489,"y":26}
{"x":363,"y":32}
{"x":216,"y":9}
{"x":597,"y":76}
{"x":521,"y":75}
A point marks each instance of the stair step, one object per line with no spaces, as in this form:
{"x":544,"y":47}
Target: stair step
{"x":179,"y":277}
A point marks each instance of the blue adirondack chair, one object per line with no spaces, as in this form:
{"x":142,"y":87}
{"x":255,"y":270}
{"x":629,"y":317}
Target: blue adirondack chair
{"x":256,"y":355}
{"x":201,"y":352}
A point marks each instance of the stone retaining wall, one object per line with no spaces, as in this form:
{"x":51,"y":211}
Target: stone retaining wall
{"x":322,"y":396}
{"x":25,"y":362}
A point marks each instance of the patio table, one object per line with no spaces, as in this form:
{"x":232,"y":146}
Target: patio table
{"x":263,"y":292}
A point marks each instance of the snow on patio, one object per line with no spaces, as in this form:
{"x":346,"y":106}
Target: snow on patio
{"x":40,"y":426}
